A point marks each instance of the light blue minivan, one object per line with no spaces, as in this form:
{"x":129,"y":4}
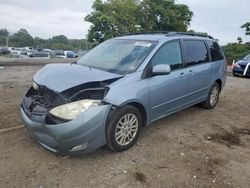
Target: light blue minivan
{"x":120,"y":86}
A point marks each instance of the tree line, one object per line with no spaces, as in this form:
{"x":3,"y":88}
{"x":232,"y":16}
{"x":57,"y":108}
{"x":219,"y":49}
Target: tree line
{"x":22,"y":38}
{"x":238,"y":50}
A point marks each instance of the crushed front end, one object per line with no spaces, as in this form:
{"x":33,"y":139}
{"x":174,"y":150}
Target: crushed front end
{"x":82,"y":134}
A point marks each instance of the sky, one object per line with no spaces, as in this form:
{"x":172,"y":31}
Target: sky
{"x":220,"y":18}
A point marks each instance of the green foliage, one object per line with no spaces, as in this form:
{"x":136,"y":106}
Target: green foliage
{"x":113,"y":18}
{"x":164,"y":15}
{"x":246,"y":26}
{"x":236,"y":51}
{"x":21,"y":38}
{"x":3,"y":34}
{"x":193,"y":31}
{"x":60,"y":39}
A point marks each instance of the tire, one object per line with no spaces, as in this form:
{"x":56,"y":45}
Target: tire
{"x":121,"y":135}
{"x":236,"y":75}
{"x":213,"y":97}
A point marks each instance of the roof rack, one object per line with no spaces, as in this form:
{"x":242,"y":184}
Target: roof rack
{"x":189,"y":34}
{"x":147,"y":32}
{"x":167,"y":33}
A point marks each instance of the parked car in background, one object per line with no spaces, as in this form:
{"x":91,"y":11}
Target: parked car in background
{"x":120,"y":86}
{"x":39,"y":55}
{"x":59,"y":54}
{"x":65,"y":54}
{"x":29,"y":52}
{"x":4,"y":51}
{"x":18,"y":51}
{"x":242,"y":67}
{"x":49,"y":51}
{"x":70,"y":54}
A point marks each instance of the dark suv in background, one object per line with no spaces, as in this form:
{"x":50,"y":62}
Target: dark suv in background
{"x":242,"y":67}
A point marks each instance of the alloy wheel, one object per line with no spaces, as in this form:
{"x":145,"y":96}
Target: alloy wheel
{"x":126,"y":129}
{"x":214,"y":95}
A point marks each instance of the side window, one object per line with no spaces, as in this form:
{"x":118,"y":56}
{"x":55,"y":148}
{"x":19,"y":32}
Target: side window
{"x":169,"y":54}
{"x":215,"y":50}
{"x":196,"y":52}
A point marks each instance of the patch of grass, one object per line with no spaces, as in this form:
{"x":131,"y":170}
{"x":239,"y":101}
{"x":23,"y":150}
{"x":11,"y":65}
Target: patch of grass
{"x":227,"y":138}
{"x":140,"y":177}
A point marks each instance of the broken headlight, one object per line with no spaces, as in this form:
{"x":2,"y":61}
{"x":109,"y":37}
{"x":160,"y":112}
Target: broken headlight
{"x":71,"y":110}
{"x":35,"y":86}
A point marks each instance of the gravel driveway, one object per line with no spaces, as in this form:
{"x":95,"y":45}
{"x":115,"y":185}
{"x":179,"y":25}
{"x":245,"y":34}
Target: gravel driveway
{"x":192,"y":148}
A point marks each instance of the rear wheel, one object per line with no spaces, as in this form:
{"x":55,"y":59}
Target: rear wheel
{"x":123,"y":128}
{"x":213,"y":97}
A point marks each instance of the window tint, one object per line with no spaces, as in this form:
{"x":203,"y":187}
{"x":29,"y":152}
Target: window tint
{"x":196,"y":52}
{"x":215,"y":51}
{"x":169,"y":54}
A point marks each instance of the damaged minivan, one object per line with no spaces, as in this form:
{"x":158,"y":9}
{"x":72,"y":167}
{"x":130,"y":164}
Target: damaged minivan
{"x":120,"y":86}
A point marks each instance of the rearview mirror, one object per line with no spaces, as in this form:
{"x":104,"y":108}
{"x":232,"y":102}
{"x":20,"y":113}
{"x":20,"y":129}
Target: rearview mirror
{"x":162,"y":69}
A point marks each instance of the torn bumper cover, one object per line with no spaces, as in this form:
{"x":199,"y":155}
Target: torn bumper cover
{"x":84,"y":134}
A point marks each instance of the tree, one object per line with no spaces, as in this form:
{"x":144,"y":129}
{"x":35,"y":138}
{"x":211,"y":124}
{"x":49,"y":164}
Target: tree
{"x":112,"y":18}
{"x":60,"y":39}
{"x":246,"y":26}
{"x":239,"y":39}
{"x":236,"y":51}
{"x":59,"y":46}
{"x":164,"y":15}
{"x":198,"y":32}
{"x":3,"y":34}
{"x":21,"y":38}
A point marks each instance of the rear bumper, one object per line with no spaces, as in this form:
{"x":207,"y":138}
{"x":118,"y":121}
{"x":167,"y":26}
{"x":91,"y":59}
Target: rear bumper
{"x":87,"y":129}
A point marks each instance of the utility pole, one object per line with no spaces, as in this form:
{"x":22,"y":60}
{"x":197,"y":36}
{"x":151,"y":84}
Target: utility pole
{"x":7,"y":41}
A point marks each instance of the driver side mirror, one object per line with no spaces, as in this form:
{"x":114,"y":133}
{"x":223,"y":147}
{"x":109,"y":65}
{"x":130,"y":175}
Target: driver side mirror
{"x":162,"y":69}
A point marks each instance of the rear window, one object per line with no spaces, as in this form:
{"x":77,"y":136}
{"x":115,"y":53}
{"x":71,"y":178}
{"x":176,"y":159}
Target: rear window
{"x":196,"y":52}
{"x":215,"y":51}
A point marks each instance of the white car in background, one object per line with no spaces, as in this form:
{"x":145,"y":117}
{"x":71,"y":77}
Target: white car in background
{"x":17,"y":51}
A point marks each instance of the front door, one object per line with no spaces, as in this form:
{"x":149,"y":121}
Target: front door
{"x":167,"y":92}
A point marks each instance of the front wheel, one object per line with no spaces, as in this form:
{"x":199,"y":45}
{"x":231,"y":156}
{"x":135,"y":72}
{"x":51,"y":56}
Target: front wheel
{"x":236,"y":75}
{"x":123,"y":128}
{"x":213,"y":97}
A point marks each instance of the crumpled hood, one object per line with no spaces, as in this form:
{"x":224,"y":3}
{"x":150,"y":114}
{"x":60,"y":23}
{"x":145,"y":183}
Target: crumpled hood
{"x":243,"y":62}
{"x":59,"y":77}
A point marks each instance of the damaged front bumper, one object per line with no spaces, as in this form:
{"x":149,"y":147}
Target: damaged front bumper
{"x":242,"y":70}
{"x":84,"y":134}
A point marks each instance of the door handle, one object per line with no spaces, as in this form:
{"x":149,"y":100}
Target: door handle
{"x":190,"y":72}
{"x":182,"y":75}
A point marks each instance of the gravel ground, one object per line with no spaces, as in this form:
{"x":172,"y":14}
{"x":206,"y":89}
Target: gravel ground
{"x":192,"y":148}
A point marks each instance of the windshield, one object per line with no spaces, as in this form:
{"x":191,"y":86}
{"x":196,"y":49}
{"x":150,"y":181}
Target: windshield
{"x":118,"y":56}
{"x":247,"y":58}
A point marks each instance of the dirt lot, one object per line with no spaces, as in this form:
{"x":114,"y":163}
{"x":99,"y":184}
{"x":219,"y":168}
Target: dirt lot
{"x":192,"y":148}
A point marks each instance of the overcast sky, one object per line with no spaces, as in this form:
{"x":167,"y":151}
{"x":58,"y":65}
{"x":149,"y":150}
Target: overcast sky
{"x":46,"y":18}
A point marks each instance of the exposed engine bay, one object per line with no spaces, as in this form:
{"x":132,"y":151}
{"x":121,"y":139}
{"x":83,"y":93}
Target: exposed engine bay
{"x":39,"y":101}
